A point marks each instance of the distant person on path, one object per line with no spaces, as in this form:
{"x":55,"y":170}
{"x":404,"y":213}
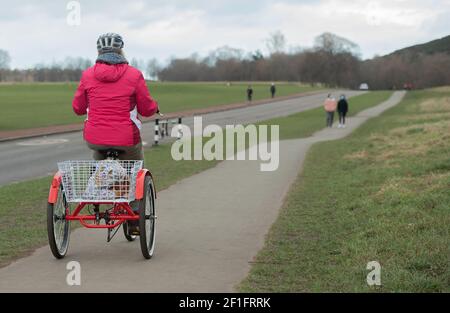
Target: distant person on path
{"x":273,"y":90}
{"x":330,"y":107}
{"x":249,"y":93}
{"x":342,"y":108}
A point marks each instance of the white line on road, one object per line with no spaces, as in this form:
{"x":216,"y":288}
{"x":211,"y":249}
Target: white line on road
{"x":42,"y":142}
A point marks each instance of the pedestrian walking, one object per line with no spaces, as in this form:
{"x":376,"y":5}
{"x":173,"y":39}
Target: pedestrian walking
{"x":330,"y":107}
{"x":342,"y":108}
{"x":273,"y":90}
{"x":249,"y":93}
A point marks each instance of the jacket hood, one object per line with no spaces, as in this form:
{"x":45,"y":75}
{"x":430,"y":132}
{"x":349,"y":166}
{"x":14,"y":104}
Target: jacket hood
{"x":109,"y":72}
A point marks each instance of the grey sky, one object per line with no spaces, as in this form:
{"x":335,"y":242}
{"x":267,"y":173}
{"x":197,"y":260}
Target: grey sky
{"x":37,"y":31}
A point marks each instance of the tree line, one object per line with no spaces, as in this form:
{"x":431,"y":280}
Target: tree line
{"x":70,"y":69}
{"x":418,"y":69}
{"x":333,"y":61}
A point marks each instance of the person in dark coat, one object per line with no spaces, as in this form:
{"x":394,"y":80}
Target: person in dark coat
{"x":273,"y":90}
{"x":342,"y":108}
{"x":249,"y":93}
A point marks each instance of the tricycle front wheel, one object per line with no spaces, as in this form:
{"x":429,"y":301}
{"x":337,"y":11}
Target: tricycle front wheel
{"x":58,"y":228}
{"x":126,"y":232}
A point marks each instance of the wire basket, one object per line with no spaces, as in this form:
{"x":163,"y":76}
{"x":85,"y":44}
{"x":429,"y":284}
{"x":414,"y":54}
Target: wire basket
{"x":99,"y":181}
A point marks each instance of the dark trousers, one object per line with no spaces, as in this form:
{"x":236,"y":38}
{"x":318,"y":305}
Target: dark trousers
{"x":330,"y":119}
{"x":130,"y":153}
{"x":342,"y":116}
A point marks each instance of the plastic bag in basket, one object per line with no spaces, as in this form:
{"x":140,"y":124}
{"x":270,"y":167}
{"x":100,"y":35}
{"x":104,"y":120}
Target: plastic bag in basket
{"x":109,"y":181}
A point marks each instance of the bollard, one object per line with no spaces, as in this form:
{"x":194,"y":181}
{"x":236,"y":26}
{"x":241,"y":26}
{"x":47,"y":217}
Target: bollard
{"x":156,"y":132}
{"x":180,"y":133}
{"x":164,"y":129}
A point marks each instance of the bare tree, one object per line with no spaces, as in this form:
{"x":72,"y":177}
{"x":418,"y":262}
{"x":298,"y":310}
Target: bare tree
{"x":257,"y":55}
{"x":139,"y":64}
{"x":185,"y":70}
{"x":335,"y":44}
{"x":76,"y":63}
{"x":276,"y":43}
{"x":224,"y":53}
{"x":5,"y":59}
{"x":153,"y":68}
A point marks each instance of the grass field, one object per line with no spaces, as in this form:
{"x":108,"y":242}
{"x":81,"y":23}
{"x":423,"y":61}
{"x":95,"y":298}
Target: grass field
{"x":45,"y":104}
{"x":381,"y":194}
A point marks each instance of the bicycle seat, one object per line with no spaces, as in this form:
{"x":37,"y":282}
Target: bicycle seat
{"x":112,"y":153}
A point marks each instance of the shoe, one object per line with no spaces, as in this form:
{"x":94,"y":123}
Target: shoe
{"x":133,"y":228}
{"x":343,"y":126}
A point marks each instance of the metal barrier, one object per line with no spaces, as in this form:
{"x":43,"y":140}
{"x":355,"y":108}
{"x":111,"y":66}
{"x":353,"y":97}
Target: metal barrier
{"x":162,"y":129}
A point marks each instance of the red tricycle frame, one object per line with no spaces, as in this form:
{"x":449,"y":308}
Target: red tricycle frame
{"x":121,"y":211}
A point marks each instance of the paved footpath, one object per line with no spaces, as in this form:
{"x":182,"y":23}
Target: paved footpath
{"x":209,"y":227}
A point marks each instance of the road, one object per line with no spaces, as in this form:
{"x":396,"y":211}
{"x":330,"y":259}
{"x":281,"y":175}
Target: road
{"x":209,"y":228}
{"x":37,"y":157}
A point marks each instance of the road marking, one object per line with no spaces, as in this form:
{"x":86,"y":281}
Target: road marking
{"x":42,"y":142}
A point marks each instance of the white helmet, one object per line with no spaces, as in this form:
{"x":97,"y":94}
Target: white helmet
{"x":109,"y":42}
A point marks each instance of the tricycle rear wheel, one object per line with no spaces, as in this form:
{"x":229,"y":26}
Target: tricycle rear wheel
{"x":147,"y":219}
{"x":58,"y":228}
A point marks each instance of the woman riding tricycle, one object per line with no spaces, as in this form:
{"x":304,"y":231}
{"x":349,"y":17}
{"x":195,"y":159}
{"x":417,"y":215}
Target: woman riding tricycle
{"x":112,"y":94}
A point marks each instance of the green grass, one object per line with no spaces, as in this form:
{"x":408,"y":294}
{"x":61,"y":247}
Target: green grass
{"x":381,"y":194}
{"x":45,"y":104}
{"x":304,"y":124}
{"x":23,"y":205}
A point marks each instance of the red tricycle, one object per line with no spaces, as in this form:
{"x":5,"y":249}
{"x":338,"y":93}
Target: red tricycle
{"x":124,"y":189}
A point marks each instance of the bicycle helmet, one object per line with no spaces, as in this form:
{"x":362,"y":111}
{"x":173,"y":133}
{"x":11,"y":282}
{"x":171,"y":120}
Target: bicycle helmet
{"x":109,"y":42}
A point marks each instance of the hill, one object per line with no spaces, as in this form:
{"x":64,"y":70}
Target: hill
{"x":435,"y":46}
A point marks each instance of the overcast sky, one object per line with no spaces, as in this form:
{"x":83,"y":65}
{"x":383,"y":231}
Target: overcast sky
{"x":37,"y":31}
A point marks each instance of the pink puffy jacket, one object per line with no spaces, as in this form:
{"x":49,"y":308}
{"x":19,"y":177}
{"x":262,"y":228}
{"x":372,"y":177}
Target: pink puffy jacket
{"x":330,"y":105}
{"x":111,"y":96}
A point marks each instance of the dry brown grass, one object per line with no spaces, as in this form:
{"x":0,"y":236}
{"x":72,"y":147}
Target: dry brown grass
{"x":414,"y":140}
{"x":435,"y":105}
{"x":428,"y":116}
{"x":417,"y":139}
{"x":397,"y":185}
{"x":408,"y":186}
{"x":441,"y":89}
{"x":357,"y":155}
